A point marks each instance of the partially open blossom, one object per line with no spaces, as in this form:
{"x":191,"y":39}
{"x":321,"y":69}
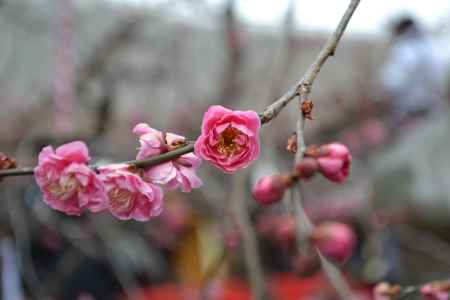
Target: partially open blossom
{"x":270,"y":189}
{"x":229,"y":139}
{"x":130,"y":197}
{"x":335,"y":240}
{"x":438,"y":290}
{"x":68,"y":184}
{"x":335,"y":161}
{"x":386,"y":291}
{"x":179,"y":172}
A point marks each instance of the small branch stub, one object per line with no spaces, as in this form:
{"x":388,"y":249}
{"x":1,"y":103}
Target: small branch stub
{"x":7,"y":162}
{"x":307,"y":108}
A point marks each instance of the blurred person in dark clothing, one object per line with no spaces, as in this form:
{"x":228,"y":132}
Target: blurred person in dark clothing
{"x":412,"y":74}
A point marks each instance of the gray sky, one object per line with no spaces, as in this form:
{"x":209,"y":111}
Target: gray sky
{"x":371,"y":17}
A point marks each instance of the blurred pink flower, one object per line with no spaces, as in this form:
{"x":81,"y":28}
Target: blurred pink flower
{"x":436,"y":291}
{"x":335,"y":240}
{"x":386,"y":291}
{"x":179,"y":172}
{"x":130,"y":197}
{"x":374,"y":132}
{"x":335,"y":161}
{"x":229,"y":139}
{"x":269,"y":189}
{"x":65,"y":179}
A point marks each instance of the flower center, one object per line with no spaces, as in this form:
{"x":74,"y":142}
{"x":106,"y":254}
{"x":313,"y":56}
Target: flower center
{"x":66,"y":187}
{"x":227,"y":141}
{"x":120,"y":199}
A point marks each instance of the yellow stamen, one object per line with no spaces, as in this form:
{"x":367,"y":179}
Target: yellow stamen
{"x":227,"y":144}
{"x":120,"y":199}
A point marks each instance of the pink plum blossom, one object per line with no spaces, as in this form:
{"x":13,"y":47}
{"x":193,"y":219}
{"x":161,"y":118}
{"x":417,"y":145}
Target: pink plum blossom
{"x":334,"y":240}
{"x":178,"y":173}
{"x":67,"y":182}
{"x":335,"y":162}
{"x":386,"y":291}
{"x":229,"y":139}
{"x":269,"y":189}
{"x":436,"y":291}
{"x":130,"y":197}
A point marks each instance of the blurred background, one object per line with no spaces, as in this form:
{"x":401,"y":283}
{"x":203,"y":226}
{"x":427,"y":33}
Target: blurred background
{"x":92,"y":69}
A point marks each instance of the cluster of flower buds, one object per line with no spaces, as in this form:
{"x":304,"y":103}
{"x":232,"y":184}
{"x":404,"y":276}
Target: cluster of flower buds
{"x":335,"y":240}
{"x":332,"y":161}
{"x":70,"y":185}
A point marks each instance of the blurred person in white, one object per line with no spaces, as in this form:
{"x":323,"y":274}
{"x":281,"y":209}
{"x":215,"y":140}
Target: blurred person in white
{"x":413,"y":74}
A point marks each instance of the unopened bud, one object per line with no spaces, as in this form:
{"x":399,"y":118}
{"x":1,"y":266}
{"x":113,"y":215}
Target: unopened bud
{"x":335,"y":161}
{"x":307,"y":168}
{"x":270,"y":189}
{"x":233,"y":239}
{"x":292,"y":143}
{"x":335,"y":240}
{"x":286,"y":229}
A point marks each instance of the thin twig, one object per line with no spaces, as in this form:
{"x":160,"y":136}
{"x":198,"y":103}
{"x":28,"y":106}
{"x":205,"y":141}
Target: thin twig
{"x":408,"y":291}
{"x":143,"y":163}
{"x":250,"y":244}
{"x":302,"y":89}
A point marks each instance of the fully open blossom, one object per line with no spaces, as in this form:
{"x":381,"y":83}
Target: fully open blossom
{"x":335,"y":240}
{"x":229,"y":139}
{"x":67,"y":182}
{"x":176,"y":173}
{"x":335,"y":161}
{"x":130,"y":197}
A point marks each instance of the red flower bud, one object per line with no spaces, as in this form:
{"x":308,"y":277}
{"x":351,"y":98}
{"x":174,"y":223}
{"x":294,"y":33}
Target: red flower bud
{"x":307,"y":168}
{"x":335,"y":240}
{"x":233,"y":239}
{"x":335,"y":162}
{"x":285,"y":232}
{"x":270,"y":189}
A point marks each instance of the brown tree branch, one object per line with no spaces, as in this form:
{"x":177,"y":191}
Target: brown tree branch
{"x":302,"y":89}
